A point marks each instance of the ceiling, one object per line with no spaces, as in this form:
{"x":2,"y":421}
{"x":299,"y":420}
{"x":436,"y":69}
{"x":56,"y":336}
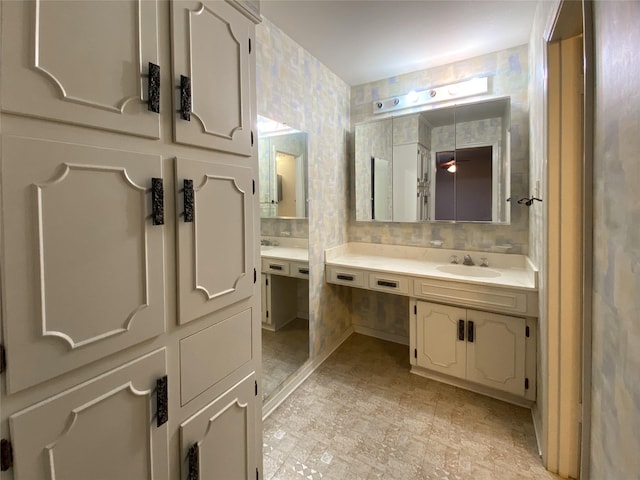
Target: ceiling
{"x":366,"y":40}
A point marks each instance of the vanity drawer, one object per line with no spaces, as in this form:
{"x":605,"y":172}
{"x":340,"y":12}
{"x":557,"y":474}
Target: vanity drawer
{"x":346,"y":276}
{"x":299,"y":269}
{"x":275,"y":266}
{"x":479,"y":296}
{"x":385,"y":282}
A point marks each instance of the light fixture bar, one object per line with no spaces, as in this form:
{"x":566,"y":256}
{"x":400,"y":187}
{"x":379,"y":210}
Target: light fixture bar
{"x":475,"y":86}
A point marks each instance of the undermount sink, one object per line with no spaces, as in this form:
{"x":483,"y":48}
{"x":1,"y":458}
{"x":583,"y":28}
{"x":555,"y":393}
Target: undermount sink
{"x":468,"y":271}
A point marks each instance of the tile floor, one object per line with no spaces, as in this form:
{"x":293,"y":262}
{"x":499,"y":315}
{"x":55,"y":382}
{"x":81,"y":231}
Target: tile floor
{"x":362,"y":415}
{"x":283,"y":352}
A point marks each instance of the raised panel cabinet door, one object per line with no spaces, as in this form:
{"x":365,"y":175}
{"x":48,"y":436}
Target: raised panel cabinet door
{"x":215,"y":237}
{"x":83,"y":260}
{"x":211,"y":75}
{"x":219,"y":441}
{"x":62,"y":61}
{"x":104,"y":429}
{"x":496,"y":357}
{"x":441,"y":348}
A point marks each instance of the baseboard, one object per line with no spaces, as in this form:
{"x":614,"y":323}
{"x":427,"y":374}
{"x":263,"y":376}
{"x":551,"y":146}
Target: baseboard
{"x":537,"y":428}
{"x":293,"y":382}
{"x":402,"y":340}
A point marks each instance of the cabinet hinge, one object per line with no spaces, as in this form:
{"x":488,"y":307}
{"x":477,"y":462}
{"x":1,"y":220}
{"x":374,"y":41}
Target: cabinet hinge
{"x":256,"y":384}
{"x":526,"y":384}
{"x":415,"y":353}
{"x":526,"y":331}
{"x":266,"y":280}
{"x":252,"y":138}
{"x":254,"y":187}
{"x":267,"y":313}
{"x":249,"y":46}
{"x":255,"y":275}
{"x":6,"y":455}
{"x":162,"y":401}
{"x":415,"y":309}
{"x":257,"y":475}
{"x":3,"y":359}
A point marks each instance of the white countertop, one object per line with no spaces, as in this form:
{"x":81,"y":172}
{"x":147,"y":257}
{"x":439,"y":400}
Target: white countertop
{"x":510,"y":270}
{"x":285,"y":253}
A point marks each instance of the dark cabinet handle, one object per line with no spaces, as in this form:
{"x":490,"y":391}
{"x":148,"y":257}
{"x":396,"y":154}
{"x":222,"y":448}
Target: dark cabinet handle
{"x":275,"y":267}
{"x":348,"y":278}
{"x":185,"y":98}
{"x":304,"y":271}
{"x":193,"y":456}
{"x":470,"y":332}
{"x":187,"y":193}
{"x":157,"y":201}
{"x":461,"y":330}
{"x":386,"y":283}
{"x":162,"y":401}
{"x":154,"y":88}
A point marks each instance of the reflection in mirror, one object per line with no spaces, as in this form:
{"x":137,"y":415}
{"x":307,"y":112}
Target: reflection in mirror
{"x":282,"y":158}
{"x":284,"y":251}
{"x":450,"y":164}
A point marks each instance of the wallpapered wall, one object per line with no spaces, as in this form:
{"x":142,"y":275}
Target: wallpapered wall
{"x":509,"y":73}
{"x":295,"y":88}
{"x":615,"y":416}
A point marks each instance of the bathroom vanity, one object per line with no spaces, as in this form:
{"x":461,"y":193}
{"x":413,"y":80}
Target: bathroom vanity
{"x":472,"y":326}
{"x":284,"y":261}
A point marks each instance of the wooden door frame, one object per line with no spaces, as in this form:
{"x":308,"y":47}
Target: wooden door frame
{"x":568,"y":19}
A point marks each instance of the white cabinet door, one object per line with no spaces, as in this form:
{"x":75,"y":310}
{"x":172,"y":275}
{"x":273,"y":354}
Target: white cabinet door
{"x":211,"y":74}
{"x":104,"y":429}
{"x":218,"y":442}
{"x":84,"y":63}
{"x":440,"y":346}
{"x":496,"y":356}
{"x":83,"y":262}
{"x":215,"y":237}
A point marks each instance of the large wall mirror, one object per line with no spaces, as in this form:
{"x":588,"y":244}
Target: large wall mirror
{"x":282,"y":158}
{"x":445,"y":164}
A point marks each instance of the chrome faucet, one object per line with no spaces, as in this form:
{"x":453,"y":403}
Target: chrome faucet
{"x":467,"y":260}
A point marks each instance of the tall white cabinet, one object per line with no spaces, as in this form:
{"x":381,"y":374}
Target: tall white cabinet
{"x":130,"y":304}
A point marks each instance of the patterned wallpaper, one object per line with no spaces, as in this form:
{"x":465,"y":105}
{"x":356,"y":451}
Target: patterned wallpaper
{"x":509,"y":72}
{"x":294,"y":88}
{"x":615,"y":428}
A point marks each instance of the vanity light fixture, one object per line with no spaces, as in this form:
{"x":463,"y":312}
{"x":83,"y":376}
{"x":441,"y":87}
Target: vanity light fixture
{"x":474,"y":86}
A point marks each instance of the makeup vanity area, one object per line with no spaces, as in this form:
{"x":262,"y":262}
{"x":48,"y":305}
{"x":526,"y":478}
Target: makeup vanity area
{"x":470,"y":326}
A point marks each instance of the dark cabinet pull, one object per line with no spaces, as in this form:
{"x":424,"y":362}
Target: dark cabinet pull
{"x":461,"y":330}
{"x":275,"y":267}
{"x":348,"y":278}
{"x":185,"y":98}
{"x":187,"y":193}
{"x":193,"y":456}
{"x":386,"y":283}
{"x":162,"y":401}
{"x":157,"y":201}
{"x":304,"y":271}
{"x":470,"y":332}
{"x":154,"y":88}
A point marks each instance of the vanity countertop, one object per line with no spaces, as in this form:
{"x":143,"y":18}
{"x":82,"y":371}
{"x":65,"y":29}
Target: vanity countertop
{"x":505,"y":270}
{"x":284,"y":253}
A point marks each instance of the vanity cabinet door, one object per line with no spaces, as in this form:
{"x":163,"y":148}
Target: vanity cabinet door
{"x":104,"y":429}
{"x":211,"y":73}
{"x":83,"y":260}
{"x":496,"y":352}
{"x":215,"y":237}
{"x":62,"y":61}
{"x":219,"y":441}
{"x":440,"y":347}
